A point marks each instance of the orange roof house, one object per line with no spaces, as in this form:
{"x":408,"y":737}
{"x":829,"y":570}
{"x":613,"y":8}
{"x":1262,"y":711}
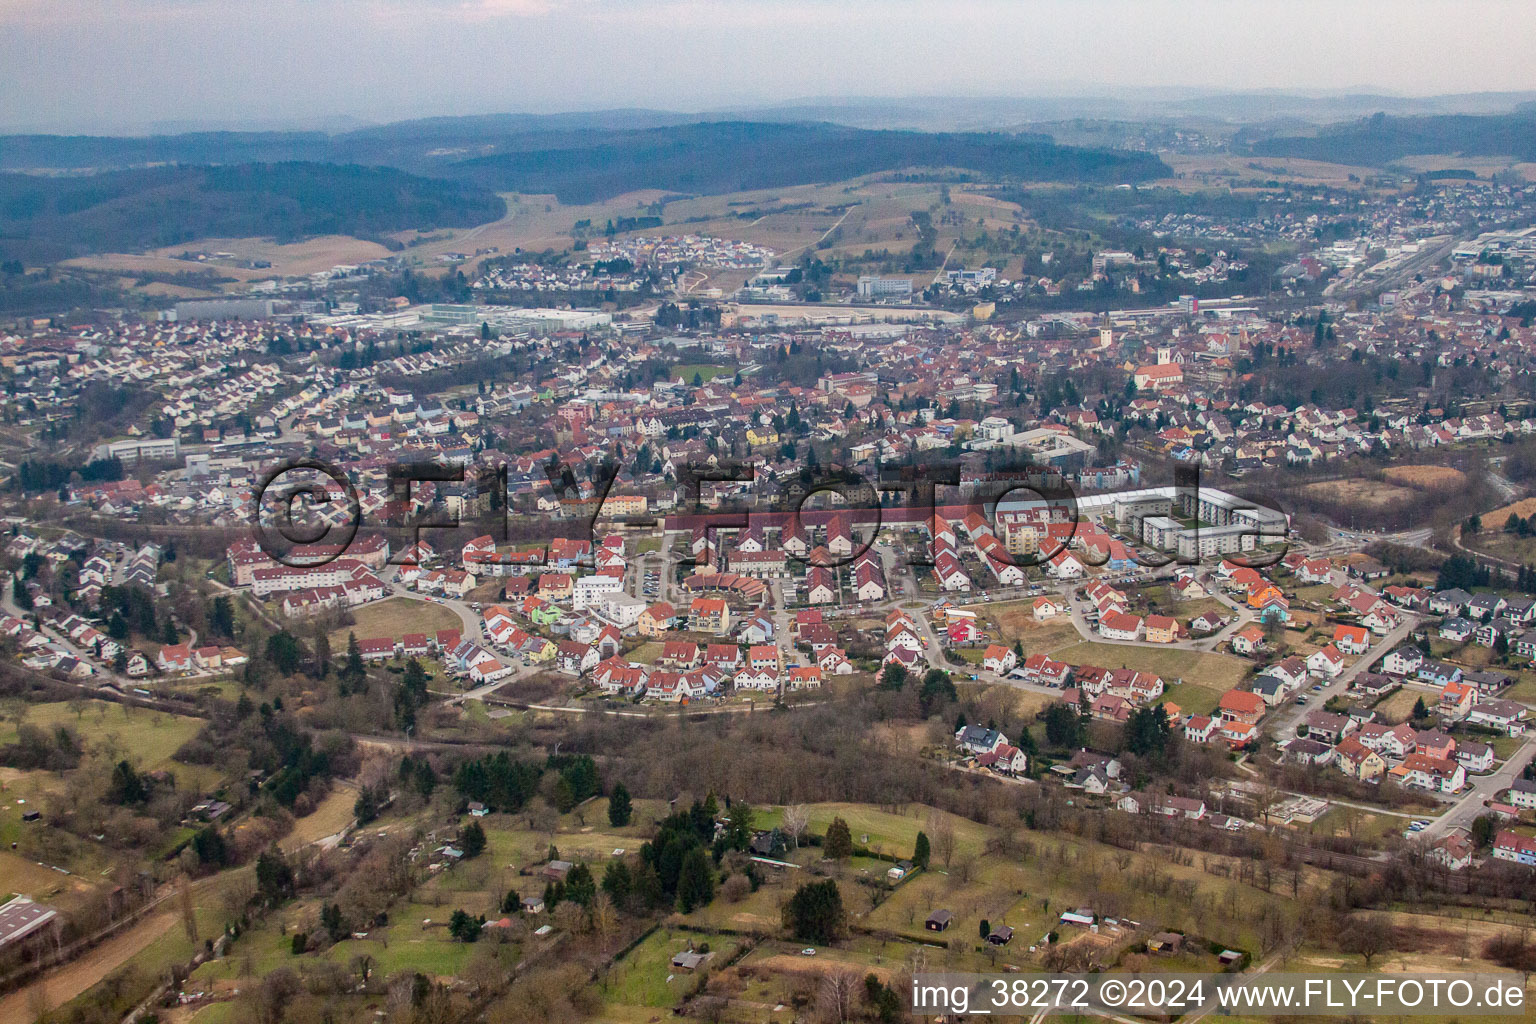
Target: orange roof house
{"x":1241,"y":706}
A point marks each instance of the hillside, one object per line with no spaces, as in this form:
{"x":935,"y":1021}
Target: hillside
{"x":444,"y":173}
{"x":47,"y":218}
{"x":1380,"y":139}
{"x":720,"y":157}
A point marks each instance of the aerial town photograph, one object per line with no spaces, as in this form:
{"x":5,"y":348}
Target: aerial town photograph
{"x":767,"y":511}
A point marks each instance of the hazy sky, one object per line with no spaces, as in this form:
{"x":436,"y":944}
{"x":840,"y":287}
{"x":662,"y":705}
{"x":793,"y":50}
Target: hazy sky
{"x":116,"y":64}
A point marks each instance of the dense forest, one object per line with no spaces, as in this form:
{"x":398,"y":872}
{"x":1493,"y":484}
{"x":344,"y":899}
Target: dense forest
{"x":43,"y":218}
{"x":392,"y":178}
{"x":1378,"y":140}
{"x":736,"y":156}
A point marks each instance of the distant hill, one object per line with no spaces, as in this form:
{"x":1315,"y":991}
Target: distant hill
{"x":110,"y":152}
{"x":718,"y":157}
{"x":409,"y":145}
{"x":1380,"y":139}
{"x":49,"y":218}
{"x":589,"y":156}
{"x":106,"y":194}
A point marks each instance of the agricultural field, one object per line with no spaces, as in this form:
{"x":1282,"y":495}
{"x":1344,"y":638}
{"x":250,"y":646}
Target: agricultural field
{"x":1362,"y":493}
{"x":1495,"y":520}
{"x":1430,"y":477}
{"x":1196,"y":170}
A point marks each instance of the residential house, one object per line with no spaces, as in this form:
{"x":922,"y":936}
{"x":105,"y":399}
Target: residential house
{"x":979,"y":740}
{"x":999,"y":659}
{"x":1358,"y":761}
{"x":1241,"y":706}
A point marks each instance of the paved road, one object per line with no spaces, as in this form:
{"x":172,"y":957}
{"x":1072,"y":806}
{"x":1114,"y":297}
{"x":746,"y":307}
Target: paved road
{"x":1483,"y":789}
{"x":1282,"y":723}
{"x":1080,"y":607}
{"x":103,"y":673}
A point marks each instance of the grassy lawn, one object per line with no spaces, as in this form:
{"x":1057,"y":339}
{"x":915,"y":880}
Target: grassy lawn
{"x":760,"y":911}
{"x":1193,"y":699}
{"x":1503,"y":746}
{"x":1341,"y":821}
{"x":408,"y":942}
{"x":1008,"y":621}
{"x":1187,"y":611}
{"x":888,"y":833}
{"x":148,"y":737}
{"x":1314,"y":592}
{"x":647,"y":652}
{"x":1399,"y":706}
{"x":708,"y":371}
{"x":645,"y":977}
{"x":333,"y":815}
{"x":583,"y":835}
{"x":395,"y":617}
{"x":1219,"y":672}
{"x":1524,"y":690}
{"x":224,"y":689}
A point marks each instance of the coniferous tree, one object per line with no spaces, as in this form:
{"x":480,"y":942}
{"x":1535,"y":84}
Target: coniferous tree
{"x":838,"y":844}
{"x":695,"y":881}
{"x":472,"y":839}
{"x":354,"y":675}
{"x":619,"y":807}
{"x":815,"y":912}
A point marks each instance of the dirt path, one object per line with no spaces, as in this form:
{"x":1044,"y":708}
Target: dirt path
{"x":67,"y":982}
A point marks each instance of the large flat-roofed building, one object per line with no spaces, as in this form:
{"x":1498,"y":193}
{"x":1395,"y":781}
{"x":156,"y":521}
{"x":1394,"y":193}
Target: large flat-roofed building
{"x":1130,"y":512}
{"x":139,"y":449}
{"x":21,"y":920}
{"x":1054,"y":448}
{"x":224,"y":309}
{"x":1161,"y":532}
{"x":884,"y":287}
{"x":1228,"y":524}
{"x":535,"y":321}
{"x":1204,"y":542}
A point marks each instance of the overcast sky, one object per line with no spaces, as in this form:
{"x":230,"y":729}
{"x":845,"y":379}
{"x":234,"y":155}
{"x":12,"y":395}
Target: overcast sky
{"x":123,"y":64}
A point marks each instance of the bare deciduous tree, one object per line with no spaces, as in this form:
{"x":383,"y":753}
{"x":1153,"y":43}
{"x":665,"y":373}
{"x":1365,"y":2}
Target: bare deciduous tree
{"x":837,"y":999}
{"x":941,"y":833}
{"x":362,"y":965}
{"x":1367,"y":936}
{"x":604,"y":919}
{"x":797,"y":820}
